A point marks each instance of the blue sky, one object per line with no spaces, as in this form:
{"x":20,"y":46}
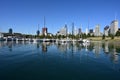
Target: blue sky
{"x":25,"y":15}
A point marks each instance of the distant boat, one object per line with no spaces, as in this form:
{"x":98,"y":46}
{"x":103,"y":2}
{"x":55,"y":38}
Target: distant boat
{"x":2,"y":39}
{"x":86,"y":41}
{"x":9,"y":39}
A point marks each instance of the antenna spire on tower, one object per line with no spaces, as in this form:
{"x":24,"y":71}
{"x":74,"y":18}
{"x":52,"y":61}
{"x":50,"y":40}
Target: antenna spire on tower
{"x":115,"y":16}
{"x":73,"y":28}
{"x":44,"y":22}
{"x":38,"y":26}
{"x":88,"y":25}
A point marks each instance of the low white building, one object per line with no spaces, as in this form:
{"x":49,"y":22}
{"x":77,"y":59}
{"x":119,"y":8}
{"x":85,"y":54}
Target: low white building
{"x":1,"y":35}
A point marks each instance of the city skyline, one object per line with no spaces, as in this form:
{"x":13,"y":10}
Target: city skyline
{"x":24,"y":16}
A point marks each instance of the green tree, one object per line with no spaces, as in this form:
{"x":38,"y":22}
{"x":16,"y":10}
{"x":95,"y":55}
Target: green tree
{"x":117,"y":33}
{"x":84,"y":36}
{"x":59,"y":36}
{"x":103,"y":37}
{"x":112,"y":36}
{"x":77,"y":36}
{"x":93,"y":35}
{"x":88,"y":35}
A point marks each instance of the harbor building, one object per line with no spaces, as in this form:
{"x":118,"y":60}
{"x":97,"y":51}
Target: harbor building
{"x":91,"y":31}
{"x":44,"y":31}
{"x":1,"y":35}
{"x":63,"y":31}
{"x":114,"y":27}
{"x":97,"y":30}
{"x":106,"y":30}
{"x":10,"y":31}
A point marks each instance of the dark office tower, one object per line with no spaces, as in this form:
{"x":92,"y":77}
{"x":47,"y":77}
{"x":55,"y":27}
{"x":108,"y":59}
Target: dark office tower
{"x":38,"y":32}
{"x":91,"y":31}
{"x":10,"y":31}
{"x":79,"y":31}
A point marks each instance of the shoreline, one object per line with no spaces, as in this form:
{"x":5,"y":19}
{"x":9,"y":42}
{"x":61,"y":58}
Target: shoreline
{"x":106,"y":39}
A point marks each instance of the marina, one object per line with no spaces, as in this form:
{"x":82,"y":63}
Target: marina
{"x":59,"y":40}
{"x":46,"y":40}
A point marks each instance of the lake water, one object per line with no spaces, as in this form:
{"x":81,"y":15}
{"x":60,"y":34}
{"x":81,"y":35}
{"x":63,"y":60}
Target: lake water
{"x":51,"y":61}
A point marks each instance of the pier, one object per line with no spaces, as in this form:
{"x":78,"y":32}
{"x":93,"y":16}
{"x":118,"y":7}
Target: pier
{"x":59,"y":41}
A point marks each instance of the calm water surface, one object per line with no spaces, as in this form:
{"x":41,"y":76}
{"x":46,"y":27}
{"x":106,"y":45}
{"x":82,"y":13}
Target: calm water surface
{"x":50,"y":61}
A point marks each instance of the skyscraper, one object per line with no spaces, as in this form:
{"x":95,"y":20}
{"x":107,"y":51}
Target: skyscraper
{"x":114,"y":27}
{"x":79,"y":31}
{"x":106,"y":30}
{"x":91,"y":31}
{"x":72,"y":28}
{"x":63,"y":31}
{"x":38,"y":32}
{"x":97,"y":30}
{"x":44,"y":31}
{"x":75,"y":31}
{"x":10,"y":31}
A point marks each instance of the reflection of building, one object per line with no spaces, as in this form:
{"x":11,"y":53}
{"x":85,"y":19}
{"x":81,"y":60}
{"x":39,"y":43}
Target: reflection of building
{"x":114,"y":57}
{"x":97,"y":47}
{"x":44,"y":47}
{"x":106,"y":47}
{"x":106,"y":30}
{"x":62,"y":48}
{"x":97,"y":30}
{"x":38,"y":46}
{"x":10,"y":46}
{"x":114,"y":27}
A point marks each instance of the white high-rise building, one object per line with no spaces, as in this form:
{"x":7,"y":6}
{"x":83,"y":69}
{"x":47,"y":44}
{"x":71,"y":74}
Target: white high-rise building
{"x":75,"y":31}
{"x":114,"y":27}
{"x":97,"y":30}
{"x":63,"y":31}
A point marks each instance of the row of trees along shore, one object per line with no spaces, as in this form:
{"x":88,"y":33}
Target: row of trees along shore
{"x":112,"y":36}
{"x":78,"y":36}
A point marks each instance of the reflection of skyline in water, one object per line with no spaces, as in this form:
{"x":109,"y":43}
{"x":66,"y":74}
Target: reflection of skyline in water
{"x":111,"y":49}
